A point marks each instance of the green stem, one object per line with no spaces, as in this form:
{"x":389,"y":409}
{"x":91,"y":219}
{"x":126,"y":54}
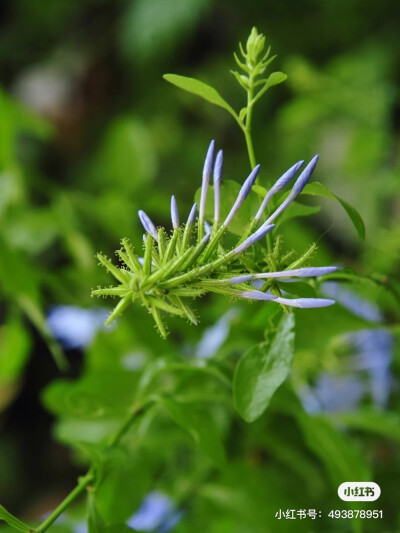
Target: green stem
{"x":89,"y":478}
{"x":83,"y":483}
{"x":249,"y":142}
{"x":247,"y":129}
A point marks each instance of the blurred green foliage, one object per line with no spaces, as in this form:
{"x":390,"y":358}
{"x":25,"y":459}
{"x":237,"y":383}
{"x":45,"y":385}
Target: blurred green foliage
{"x":90,"y":133}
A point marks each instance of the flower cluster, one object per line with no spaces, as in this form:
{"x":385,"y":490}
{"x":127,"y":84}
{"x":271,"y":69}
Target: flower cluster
{"x":191,"y":260}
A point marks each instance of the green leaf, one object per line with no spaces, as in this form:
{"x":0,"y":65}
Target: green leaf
{"x":296,"y":210}
{"x":94,"y":521}
{"x":386,"y":424}
{"x":13,"y":521}
{"x":200,"y":425}
{"x":117,"y":528}
{"x":262,"y":369}
{"x":200,"y":88}
{"x":128,"y":476}
{"x":338,"y":453}
{"x":275,"y":78}
{"x":318,"y":189}
{"x":15,"y":345}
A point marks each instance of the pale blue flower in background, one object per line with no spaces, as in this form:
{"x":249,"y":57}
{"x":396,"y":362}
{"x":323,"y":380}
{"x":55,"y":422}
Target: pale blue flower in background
{"x":156,"y":513}
{"x":75,"y":327}
{"x":373,"y":354}
{"x":215,"y":336}
{"x":354,"y":303}
{"x":332,"y":393}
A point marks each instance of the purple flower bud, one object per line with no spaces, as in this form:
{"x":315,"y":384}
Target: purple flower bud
{"x":192,"y":215}
{"x":207,"y":169}
{"x":259,"y":234}
{"x":297,"y":188}
{"x":304,"y":177}
{"x":305,"y":303}
{"x":207,"y":227}
{"x":257,"y":295}
{"x":219,"y":161}
{"x":243,"y":193}
{"x":205,"y":239}
{"x":279,"y":184}
{"x":217,"y":184}
{"x":241,"y":279}
{"x":148,"y":224}
{"x":299,"y":273}
{"x":174,"y":213}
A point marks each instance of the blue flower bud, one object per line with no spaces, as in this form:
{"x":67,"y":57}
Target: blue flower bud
{"x":256,"y":236}
{"x":192,"y":215}
{"x":148,"y":224}
{"x":241,"y":279}
{"x":297,"y":187}
{"x":174,"y":213}
{"x":219,"y":162}
{"x":207,"y":227}
{"x":217,"y":184}
{"x":279,"y":185}
{"x":305,"y":303}
{"x":304,"y":177}
{"x":207,"y":169}
{"x":243,"y":193}
{"x":298,"y":273}
{"x":257,"y":295}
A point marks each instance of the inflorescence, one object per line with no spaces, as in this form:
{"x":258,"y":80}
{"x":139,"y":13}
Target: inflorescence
{"x":191,"y":260}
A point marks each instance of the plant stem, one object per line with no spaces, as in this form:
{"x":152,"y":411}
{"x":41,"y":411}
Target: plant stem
{"x":89,"y":478}
{"x":82,"y":485}
{"x":249,"y":142}
{"x":247,"y":129}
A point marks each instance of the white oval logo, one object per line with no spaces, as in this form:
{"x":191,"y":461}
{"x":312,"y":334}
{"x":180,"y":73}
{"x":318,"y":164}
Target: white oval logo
{"x":359,"y":491}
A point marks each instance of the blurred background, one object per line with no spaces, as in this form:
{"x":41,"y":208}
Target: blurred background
{"x":90,"y":133}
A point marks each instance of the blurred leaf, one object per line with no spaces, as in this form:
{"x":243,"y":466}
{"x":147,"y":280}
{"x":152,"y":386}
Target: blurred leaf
{"x":149,"y":28}
{"x":117,"y":528}
{"x":12,"y":521}
{"x":384,"y":423}
{"x":200,"y":89}
{"x":200,"y":425}
{"x":298,"y":288}
{"x":318,"y":189}
{"x":94,"y":521}
{"x":96,"y":395}
{"x":126,"y":157}
{"x":262,"y":369}
{"x":14,"y":350}
{"x":296,"y":210}
{"x":338,"y":453}
{"x":127,"y":479}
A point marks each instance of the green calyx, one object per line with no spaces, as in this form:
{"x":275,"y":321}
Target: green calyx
{"x":172,"y":270}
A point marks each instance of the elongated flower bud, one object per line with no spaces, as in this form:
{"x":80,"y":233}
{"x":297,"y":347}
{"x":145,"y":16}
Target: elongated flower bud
{"x":240,"y":279}
{"x":174,"y":213}
{"x":298,"y":273}
{"x":207,"y":169}
{"x":243,"y":193}
{"x":148,"y":224}
{"x":304,"y":177}
{"x":217,"y":177}
{"x":259,"y":234}
{"x":279,"y":185}
{"x":297,"y":187}
{"x":305,"y":303}
{"x":192,"y":215}
{"x":207,"y":227}
{"x":257,"y":295}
